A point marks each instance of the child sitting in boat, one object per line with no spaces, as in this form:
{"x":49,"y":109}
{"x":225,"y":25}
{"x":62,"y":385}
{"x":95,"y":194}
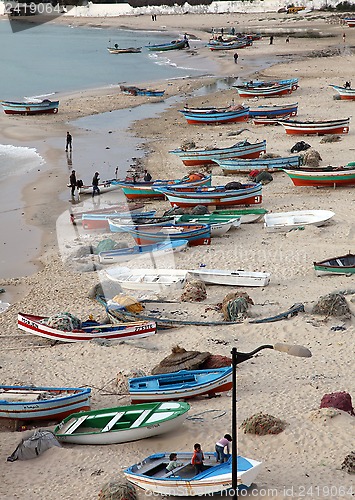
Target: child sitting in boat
{"x":173,"y":464}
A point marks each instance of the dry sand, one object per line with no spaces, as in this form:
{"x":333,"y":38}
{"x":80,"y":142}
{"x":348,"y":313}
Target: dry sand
{"x":303,"y":461}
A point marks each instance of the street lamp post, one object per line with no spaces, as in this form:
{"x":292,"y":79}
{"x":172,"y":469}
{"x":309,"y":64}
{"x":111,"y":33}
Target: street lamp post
{"x":240,"y":357}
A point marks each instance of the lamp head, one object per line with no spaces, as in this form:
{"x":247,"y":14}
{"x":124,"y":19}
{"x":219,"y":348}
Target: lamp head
{"x":293,"y":350}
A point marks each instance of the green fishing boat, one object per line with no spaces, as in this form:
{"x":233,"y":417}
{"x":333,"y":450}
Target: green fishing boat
{"x":336,"y":265}
{"x":121,"y":424}
{"x":247,"y":215}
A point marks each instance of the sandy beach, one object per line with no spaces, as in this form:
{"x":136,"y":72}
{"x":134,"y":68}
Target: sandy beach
{"x":304,"y":461}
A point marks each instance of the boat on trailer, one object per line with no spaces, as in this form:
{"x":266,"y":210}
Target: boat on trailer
{"x":152,"y":476}
{"x":336,"y":265}
{"x":20,"y":402}
{"x":183,"y":384}
{"x":122,"y":424}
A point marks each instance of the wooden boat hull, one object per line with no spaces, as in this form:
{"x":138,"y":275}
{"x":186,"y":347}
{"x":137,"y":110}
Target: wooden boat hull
{"x":336,"y":265}
{"x":350,"y":22}
{"x":345,"y":94}
{"x":32,"y":324}
{"x":247,"y":215}
{"x":197,"y":234}
{"x":285,"y":221}
{"x":105,"y":187}
{"x":269,"y":164}
{"x":63,"y":401}
{"x":293,"y":127}
{"x":101,"y":221}
{"x":128,"y":50}
{"x":219,"y":224}
{"x":215,"y":118}
{"x":274,"y":111}
{"x":180,"y":385}
{"x":127,"y":254}
{"x":216,"y":478}
{"x":231,"y":278}
{"x":251,"y":195}
{"x":322,"y":178}
{"x":30,"y":108}
{"x":179,"y":44}
{"x":107,"y":426}
{"x":273,"y":91}
{"x":148,"y":279}
{"x":193,"y":158}
{"x":123,"y":208}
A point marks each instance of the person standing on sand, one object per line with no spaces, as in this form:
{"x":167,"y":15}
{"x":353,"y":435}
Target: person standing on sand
{"x":73,"y":182}
{"x":236,"y":57}
{"x":223,"y":443}
{"x":344,"y":37}
{"x":198,"y":458}
{"x":288,"y":39}
{"x":95,"y":184}
{"x":69,"y":142}
{"x":271,"y":39}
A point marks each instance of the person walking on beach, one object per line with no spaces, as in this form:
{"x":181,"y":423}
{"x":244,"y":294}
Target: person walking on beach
{"x":221,"y":445}
{"x":95,"y":184}
{"x":197,"y":458}
{"x":73,"y":182}
{"x":271,"y":39}
{"x":236,"y":57}
{"x":288,"y":39}
{"x":344,"y":37}
{"x":69,"y":142}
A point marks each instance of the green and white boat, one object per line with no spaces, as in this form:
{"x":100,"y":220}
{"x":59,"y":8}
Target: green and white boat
{"x":336,"y":265}
{"x":121,"y":424}
{"x":247,"y":215}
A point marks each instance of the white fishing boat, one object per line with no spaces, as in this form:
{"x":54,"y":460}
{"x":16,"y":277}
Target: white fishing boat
{"x":231,"y":278}
{"x":147,"y":279}
{"x":152,"y":476}
{"x":285,"y":221}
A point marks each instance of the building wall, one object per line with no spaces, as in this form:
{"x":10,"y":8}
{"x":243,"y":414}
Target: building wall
{"x":243,"y":6}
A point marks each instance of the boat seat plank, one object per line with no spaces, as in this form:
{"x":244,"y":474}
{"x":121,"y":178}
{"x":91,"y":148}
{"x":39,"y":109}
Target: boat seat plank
{"x":174,"y":471}
{"x":140,"y":419}
{"x":339,"y":262}
{"x":113,"y":421}
{"x":76,"y":424}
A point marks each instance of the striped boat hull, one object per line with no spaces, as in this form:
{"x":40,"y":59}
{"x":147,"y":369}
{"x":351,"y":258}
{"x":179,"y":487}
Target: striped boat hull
{"x":63,"y":402}
{"x":273,"y":111}
{"x":270,"y":164}
{"x":273,"y":91}
{"x":197,"y":234}
{"x":192,"y":158}
{"x":322,"y":178}
{"x":29,"y":108}
{"x":216,"y":118}
{"x":293,"y":127}
{"x":345,"y":94}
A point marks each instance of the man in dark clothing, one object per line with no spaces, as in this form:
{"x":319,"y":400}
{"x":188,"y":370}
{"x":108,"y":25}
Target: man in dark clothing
{"x":73,"y":182}
{"x":69,"y":142}
{"x":95,"y":184}
{"x":271,"y":39}
{"x":147,"y":177}
{"x":236,"y":57}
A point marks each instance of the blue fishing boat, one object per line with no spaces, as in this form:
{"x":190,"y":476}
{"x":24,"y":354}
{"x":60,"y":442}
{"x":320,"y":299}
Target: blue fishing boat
{"x":139,"y":91}
{"x":152,"y":476}
{"x":196,"y":234}
{"x":126,"y":254}
{"x":216,"y":117}
{"x":21,"y":402}
{"x":173,"y":45}
{"x":268,"y":164}
{"x":274,"y":110}
{"x":266,"y":83}
{"x":242,"y":149}
{"x":183,"y":384}
{"x":100,"y":220}
{"x":30,"y":107}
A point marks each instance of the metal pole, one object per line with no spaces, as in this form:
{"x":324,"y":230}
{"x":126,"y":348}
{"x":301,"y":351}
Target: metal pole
{"x":234,"y":424}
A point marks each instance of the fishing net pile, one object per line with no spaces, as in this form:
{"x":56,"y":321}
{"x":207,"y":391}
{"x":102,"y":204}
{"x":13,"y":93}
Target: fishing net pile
{"x":194,"y":291}
{"x":34,"y":445}
{"x":129,"y":303}
{"x":262,"y":424}
{"x":339,"y":400}
{"x":117,"y":490}
{"x":121,"y":383}
{"x":311,"y":158}
{"x":63,"y":321}
{"x":349,"y":463}
{"x":188,"y":144}
{"x":235,"y":306}
{"x":180,"y":359}
{"x":199,"y":210}
{"x":333,"y":304}
{"x":216,"y":361}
